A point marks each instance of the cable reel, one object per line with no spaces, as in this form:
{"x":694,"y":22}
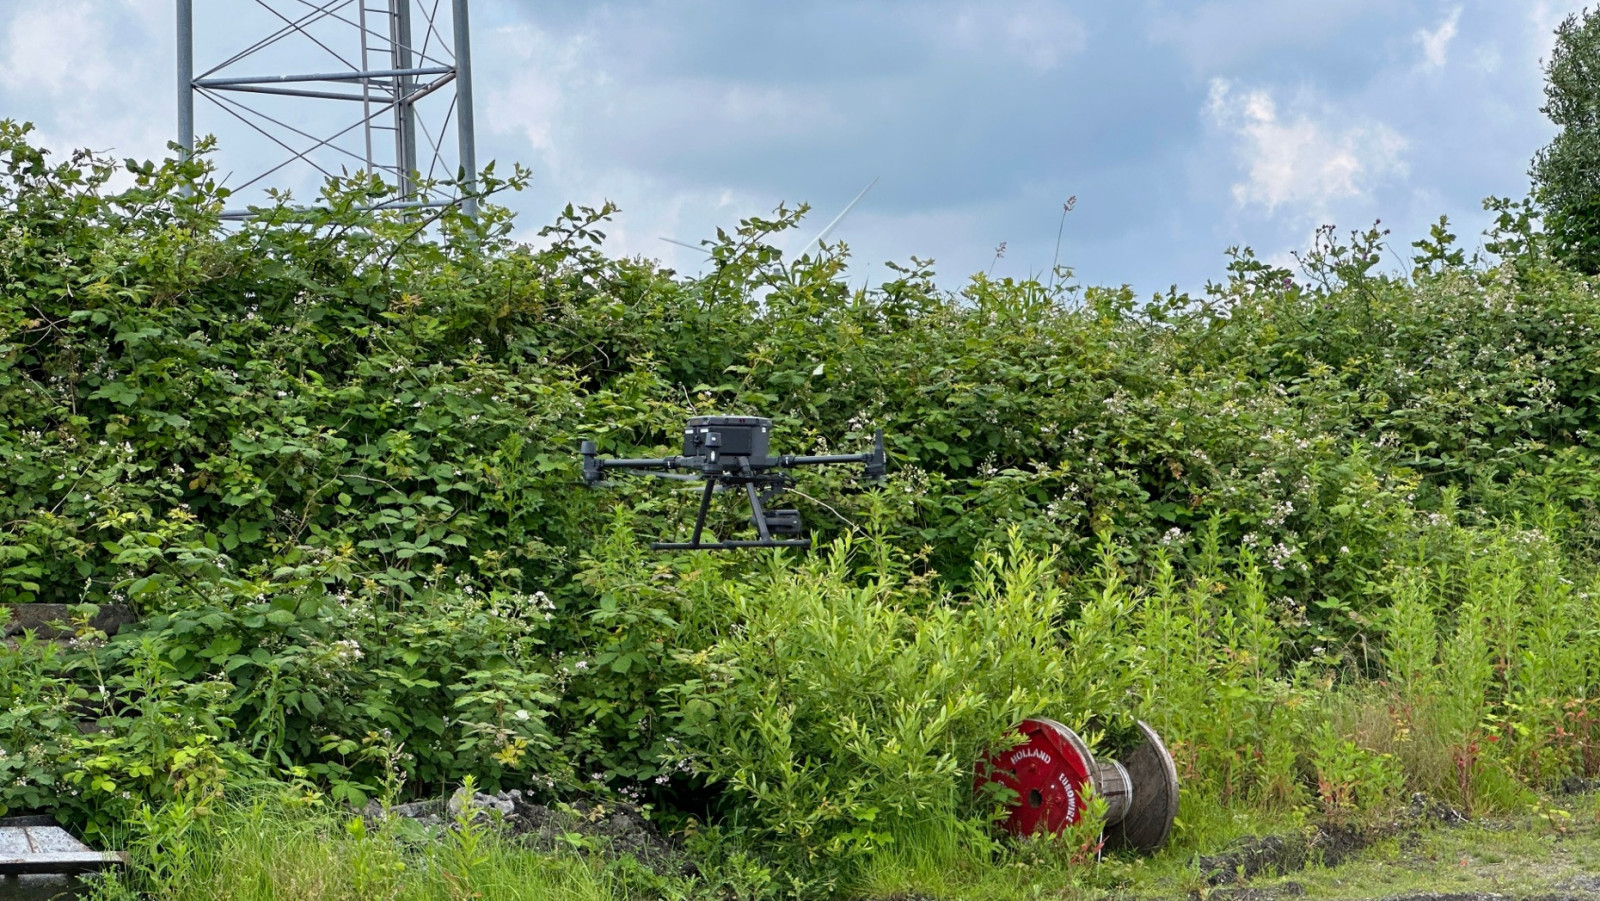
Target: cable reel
{"x":1050,"y":769}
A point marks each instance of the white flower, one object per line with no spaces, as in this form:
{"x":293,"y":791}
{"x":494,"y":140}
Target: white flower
{"x":521,"y":715}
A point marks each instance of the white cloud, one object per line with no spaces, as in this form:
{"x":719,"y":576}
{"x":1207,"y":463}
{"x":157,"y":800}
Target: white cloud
{"x":565,"y":91}
{"x":1222,"y":35}
{"x":1436,"y":43}
{"x":531,"y":96}
{"x":43,"y":47}
{"x":1543,"y":17}
{"x":1296,"y":161}
{"x":1038,"y":34}
{"x":1487,"y":59}
{"x":88,"y":73}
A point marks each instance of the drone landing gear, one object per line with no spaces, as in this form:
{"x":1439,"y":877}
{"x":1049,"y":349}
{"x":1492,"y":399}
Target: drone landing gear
{"x":767,"y":522}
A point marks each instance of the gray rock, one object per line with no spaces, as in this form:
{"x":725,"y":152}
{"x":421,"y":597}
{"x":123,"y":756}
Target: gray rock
{"x":54,"y":620}
{"x":609,"y":828}
{"x":460,"y":804}
{"x":419,"y":810}
{"x":1425,"y":809}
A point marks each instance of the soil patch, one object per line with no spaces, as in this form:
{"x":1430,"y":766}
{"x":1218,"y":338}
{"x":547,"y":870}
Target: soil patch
{"x":1328,"y":845}
{"x":1280,"y":854}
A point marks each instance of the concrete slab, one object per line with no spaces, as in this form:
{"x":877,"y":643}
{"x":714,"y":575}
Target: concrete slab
{"x":33,"y":850}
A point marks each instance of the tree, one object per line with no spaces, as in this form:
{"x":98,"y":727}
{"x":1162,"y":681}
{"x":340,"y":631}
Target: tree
{"x":1566,"y":173}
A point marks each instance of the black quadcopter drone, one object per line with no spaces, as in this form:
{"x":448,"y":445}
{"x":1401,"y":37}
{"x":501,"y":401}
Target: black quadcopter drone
{"x":727,"y":452}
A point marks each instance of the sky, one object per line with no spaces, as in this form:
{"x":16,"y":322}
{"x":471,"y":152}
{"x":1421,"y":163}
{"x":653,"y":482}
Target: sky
{"x":1181,"y":128}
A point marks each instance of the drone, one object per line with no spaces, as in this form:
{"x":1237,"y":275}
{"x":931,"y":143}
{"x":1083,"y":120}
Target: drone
{"x":728,"y":453}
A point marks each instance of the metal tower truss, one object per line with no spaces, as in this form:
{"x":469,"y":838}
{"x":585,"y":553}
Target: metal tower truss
{"x":313,"y":89}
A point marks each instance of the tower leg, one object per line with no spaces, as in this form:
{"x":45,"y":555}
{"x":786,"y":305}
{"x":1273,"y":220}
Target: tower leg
{"x":186,"y":75}
{"x":405,"y":115}
{"x":466,"y":137}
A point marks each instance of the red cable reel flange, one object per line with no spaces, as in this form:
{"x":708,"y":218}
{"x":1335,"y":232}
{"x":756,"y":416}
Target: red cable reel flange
{"x":1049,"y":768}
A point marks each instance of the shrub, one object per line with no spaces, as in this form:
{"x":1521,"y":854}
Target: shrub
{"x":843,"y":715}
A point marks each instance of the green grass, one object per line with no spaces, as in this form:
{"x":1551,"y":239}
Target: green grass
{"x":1528,"y":855}
{"x":943,"y":863}
{"x":1522,"y":857}
{"x":958,"y":866}
{"x":264,"y":849}
{"x":264,"y":852}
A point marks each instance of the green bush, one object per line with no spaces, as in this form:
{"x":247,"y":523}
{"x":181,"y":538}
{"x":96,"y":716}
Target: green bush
{"x":327,"y":457}
{"x":843,"y":715}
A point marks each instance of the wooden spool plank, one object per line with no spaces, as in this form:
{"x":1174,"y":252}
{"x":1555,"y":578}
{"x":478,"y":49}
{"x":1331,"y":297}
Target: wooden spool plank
{"x":1154,"y":806}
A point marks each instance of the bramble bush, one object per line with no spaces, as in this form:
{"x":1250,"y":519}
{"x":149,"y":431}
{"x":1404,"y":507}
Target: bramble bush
{"x":326,"y":455}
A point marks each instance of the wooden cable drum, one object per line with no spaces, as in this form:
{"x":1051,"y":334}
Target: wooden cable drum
{"x":1049,"y":770}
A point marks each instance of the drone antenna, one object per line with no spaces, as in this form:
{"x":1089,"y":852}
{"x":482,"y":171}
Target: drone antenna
{"x":693,"y":247}
{"x":821,"y":235}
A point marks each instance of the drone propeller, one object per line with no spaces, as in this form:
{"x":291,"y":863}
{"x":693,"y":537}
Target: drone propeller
{"x":822,"y":235}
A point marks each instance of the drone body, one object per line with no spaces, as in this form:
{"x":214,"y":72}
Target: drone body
{"x":733,"y":452}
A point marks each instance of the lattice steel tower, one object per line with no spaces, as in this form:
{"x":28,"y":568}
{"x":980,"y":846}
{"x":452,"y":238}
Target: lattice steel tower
{"x":329,"y":87}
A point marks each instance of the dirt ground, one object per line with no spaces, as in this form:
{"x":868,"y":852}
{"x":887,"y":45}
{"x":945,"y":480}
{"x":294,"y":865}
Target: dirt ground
{"x":1551,"y":856}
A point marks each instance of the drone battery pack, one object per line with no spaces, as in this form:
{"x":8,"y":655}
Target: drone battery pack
{"x":728,"y":436}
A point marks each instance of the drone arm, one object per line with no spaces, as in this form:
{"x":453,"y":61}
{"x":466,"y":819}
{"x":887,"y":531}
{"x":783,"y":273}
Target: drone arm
{"x":595,"y":466}
{"x":788,"y":460}
{"x":673,"y":476}
{"x":875,"y":459}
{"x":642,"y":463}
